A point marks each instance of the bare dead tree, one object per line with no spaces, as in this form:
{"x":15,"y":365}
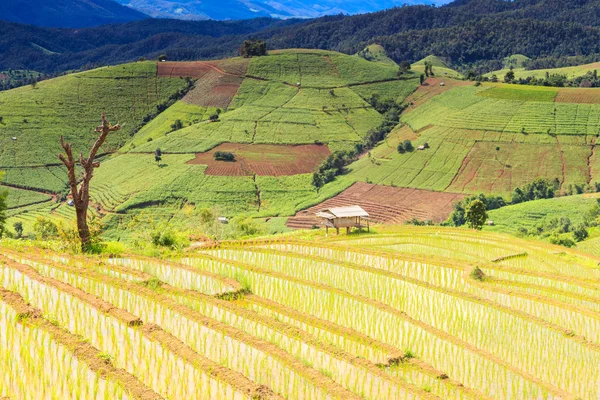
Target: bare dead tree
{"x":81,"y":194}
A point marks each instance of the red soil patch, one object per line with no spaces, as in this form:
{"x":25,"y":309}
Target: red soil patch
{"x":432,"y":87}
{"x":579,"y":96}
{"x":264,"y":159}
{"x":214,"y":90}
{"x":385,"y":204}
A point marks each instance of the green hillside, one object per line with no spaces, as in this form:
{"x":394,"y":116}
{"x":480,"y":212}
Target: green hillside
{"x":570,"y":72}
{"x":490,"y":139}
{"x":295,"y":97}
{"x":440,"y":68}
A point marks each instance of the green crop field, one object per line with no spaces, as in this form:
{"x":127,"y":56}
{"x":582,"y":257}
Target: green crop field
{"x":393,"y":315}
{"x":570,"y":72}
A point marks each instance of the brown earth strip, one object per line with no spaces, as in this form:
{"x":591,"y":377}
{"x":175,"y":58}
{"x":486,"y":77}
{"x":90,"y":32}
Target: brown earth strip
{"x":219,"y":372}
{"x":82,"y":350}
{"x":263,"y":159}
{"x":401,"y":315}
{"x":317,"y":378}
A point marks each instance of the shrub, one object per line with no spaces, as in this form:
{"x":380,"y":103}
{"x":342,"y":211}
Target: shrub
{"x":177,"y":125}
{"x":214,"y":118}
{"x":477,"y":274}
{"x":224,"y":156}
{"x":45,"y":229}
{"x":580,"y":233}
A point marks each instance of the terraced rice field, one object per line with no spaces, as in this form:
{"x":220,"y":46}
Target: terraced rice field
{"x":387,"y":316}
{"x":263,"y":160}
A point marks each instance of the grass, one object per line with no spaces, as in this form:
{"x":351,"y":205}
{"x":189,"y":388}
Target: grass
{"x":570,"y":72}
{"x":71,"y":106}
{"x":20,"y":198}
{"x":531,"y":214}
{"x":440,"y":68}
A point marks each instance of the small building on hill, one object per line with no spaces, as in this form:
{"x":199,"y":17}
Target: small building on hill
{"x":343,"y":217}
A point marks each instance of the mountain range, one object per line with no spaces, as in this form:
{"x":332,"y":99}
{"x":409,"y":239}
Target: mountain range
{"x":243,"y":9}
{"x":67,"y":13}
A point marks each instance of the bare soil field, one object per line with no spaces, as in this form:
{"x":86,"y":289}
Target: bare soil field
{"x":263,"y":159}
{"x":385,"y":204}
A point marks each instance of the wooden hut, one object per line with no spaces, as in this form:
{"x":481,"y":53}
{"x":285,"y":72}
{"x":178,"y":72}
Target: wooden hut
{"x":343,"y":217}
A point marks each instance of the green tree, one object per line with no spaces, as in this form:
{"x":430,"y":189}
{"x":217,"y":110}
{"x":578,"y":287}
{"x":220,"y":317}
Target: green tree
{"x":421,"y":79}
{"x":158,"y":156}
{"x":580,"y":233}
{"x":18,"y":227}
{"x":45,"y":229}
{"x":510,"y":76}
{"x":253,"y":48}
{"x":476,"y":214}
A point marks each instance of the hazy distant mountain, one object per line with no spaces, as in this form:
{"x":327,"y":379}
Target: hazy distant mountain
{"x":241,"y":9}
{"x":67,"y":13}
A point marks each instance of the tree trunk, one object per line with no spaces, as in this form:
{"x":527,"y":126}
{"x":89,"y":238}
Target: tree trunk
{"x":81,"y":195}
{"x":83,"y":228}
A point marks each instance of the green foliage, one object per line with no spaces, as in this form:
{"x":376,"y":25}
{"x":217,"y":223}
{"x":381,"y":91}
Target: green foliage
{"x":44,"y":229}
{"x":405,"y":146}
{"x":224,"y":156}
{"x":253,"y":48}
{"x":18,"y":227}
{"x":476,"y":214}
{"x":477,"y":274}
{"x":166,"y":236}
{"x":538,"y":189}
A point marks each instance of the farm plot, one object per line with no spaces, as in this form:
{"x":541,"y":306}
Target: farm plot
{"x":263,"y":160}
{"x":385,"y":204}
{"x":481,"y":109}
{"x":578,"y":96}
{"x":135,"y":181}
{"x":49,"y":179}
{"x":493,"y":167}
{"x":431,"y":87}
{"x":71,"y":106}
{"x":20,"y":198}
{"x":432,"y":168}
{"x":275,"y":113}
{"x":397,"y":90}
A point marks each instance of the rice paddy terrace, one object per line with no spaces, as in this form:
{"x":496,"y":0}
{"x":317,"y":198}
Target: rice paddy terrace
{"x":394,"y":315}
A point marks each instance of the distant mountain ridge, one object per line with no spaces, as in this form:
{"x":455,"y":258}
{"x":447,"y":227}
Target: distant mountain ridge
{"x":242,"y":9}
{"x":67,"y":13}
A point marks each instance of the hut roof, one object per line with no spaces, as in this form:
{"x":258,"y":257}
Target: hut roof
{"x":342,"y":212}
